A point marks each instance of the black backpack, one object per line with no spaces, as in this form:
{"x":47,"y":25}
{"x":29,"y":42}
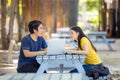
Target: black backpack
{"x":97,"y":71}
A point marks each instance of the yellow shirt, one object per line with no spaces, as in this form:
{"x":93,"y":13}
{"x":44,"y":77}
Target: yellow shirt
{"x":92,"y":57}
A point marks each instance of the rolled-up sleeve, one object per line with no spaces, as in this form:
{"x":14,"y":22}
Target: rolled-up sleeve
{"x":25,"y":44}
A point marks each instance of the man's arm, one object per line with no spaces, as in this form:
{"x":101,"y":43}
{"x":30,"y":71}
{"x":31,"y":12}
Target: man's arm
{"x":28,"y":53}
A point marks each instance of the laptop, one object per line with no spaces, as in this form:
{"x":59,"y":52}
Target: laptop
{"x":56,"y":46}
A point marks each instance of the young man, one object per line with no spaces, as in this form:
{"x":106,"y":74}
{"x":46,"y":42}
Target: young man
{"x":32,"y":45}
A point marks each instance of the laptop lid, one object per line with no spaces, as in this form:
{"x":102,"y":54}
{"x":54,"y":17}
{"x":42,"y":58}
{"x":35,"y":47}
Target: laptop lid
{"x":56,"y":46}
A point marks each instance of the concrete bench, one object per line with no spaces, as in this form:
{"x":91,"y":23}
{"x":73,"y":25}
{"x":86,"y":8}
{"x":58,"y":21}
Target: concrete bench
{"x":111,"y":40}
{"x":34,"y":76}
{"x":99,"y":40}
{"x":6,"y":55}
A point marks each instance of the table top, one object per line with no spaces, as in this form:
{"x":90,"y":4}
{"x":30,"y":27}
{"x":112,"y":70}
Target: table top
{"x":97,"y":33}
{"x":60,"y":57}
{"x":34,"y":76}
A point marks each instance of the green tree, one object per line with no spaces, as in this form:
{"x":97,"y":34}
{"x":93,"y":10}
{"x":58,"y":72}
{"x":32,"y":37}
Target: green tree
{"x":92,"y":5}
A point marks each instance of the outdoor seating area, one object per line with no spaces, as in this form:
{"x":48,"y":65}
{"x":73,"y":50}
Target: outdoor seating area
{"x":101,"y":53}
{"x":100,"y":37}
{"x":61,"y":62}
{"x":59,"y":39}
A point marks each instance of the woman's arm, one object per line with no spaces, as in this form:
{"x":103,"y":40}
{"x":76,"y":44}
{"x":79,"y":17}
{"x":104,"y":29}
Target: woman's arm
{"x":85,"y":51}
{"x":28,"y":53}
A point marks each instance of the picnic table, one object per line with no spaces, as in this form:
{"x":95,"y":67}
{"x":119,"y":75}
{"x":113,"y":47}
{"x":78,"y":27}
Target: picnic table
{"x":62,"y":61}
{"x":100,"y":37}
{"x":34,"y":76}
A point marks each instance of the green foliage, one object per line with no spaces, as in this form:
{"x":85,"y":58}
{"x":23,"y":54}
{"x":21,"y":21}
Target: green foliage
{"x":94,"y":22}
{"x":92,"y":5}
{"x":80,"y":24}
{"x":92,"y":15}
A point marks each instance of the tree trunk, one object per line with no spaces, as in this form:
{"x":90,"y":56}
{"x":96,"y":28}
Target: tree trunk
{"x":20,"y":22}
{"x":73,"y":12}
{"x":11,"y":22}
{"x":3,"y":22}
{"x":118,"y":20}
{"x":103,"y":21}
{"x":53,"y":13}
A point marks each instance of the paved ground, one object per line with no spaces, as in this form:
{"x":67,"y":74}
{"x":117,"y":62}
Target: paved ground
{"x":109,"y":58}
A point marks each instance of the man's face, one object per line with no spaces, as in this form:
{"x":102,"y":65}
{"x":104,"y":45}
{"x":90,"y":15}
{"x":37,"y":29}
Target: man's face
{"x":40,"y":30}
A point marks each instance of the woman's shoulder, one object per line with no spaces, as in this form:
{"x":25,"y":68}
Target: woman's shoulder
{"x":84,"y":38}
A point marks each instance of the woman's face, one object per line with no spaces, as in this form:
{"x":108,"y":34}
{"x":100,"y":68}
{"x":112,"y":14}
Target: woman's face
{"x":40,"y":30}
{"x":74,"y":35}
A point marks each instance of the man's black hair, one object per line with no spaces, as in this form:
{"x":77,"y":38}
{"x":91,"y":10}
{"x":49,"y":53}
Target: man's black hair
{"x":33,"y":25}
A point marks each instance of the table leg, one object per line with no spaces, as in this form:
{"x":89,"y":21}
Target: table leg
{"x":108,"y":44}
{"x":44,"y":66}
{"x":61,"y":68}
{"x":80,"y":69}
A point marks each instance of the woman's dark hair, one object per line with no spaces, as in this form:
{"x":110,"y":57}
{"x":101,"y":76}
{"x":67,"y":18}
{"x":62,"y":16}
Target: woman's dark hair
{"x":34,"y":25}
{"x":81,"y":34}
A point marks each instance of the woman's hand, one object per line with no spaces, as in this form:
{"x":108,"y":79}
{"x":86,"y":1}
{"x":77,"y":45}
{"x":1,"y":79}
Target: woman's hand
{"x":70,"y":51}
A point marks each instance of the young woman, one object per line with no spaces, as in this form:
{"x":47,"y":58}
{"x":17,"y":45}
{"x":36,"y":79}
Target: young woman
{"x":32,"y":45}
{"x":84,"y":47}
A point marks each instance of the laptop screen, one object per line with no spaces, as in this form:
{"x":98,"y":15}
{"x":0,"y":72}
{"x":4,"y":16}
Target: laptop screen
{"x":56,"y":46}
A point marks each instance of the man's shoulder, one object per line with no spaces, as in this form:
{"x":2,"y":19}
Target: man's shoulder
{"x":41,"y":38}
{"x":26,"y":38}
